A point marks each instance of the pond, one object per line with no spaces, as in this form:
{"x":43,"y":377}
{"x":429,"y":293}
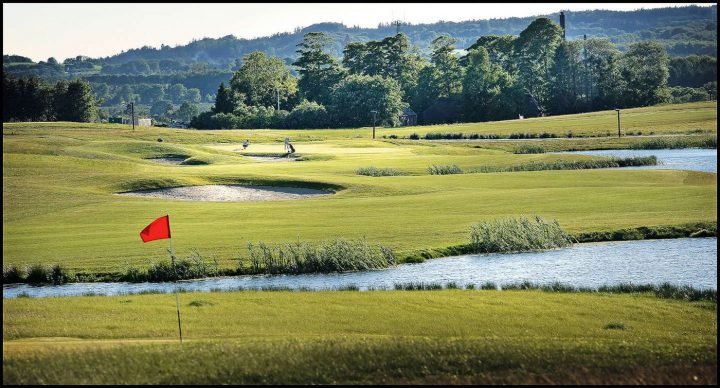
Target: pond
{"x":687,"y":261}
{"x":695,"y":159}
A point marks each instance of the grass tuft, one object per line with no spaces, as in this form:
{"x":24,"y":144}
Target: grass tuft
{"x":517,"y":235}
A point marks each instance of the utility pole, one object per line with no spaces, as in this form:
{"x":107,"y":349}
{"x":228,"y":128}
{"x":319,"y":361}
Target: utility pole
{"x":132,"y":114}
{"x":397,"y":24}
{"x":618,"y":114}
{"x":277,"y":90}
{"x":374,"y":112}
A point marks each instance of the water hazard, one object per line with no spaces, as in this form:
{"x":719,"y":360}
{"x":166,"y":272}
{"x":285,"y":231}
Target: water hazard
{"x":690,"y":261}
{"x":678,"y":159}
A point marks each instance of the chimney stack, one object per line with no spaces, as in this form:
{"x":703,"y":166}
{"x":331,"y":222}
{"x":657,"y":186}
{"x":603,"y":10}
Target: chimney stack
{"x":562,"y":23}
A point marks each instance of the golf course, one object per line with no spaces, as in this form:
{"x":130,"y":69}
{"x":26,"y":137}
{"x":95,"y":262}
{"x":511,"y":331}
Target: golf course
{"x":73,"y":197}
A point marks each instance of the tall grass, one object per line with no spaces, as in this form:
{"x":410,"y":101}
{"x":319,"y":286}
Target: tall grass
{"x":517,"y":235}
{"x":374,"y":171}
{"x":12,"y":274}
{"x":572,"y":165}
{"x":336,"y":255}
{"x":445,"y":170}
{"x":194,"y":267}
{"x":675,"y":142}
{"x":663,"y":291}
{"x":529,"y":149}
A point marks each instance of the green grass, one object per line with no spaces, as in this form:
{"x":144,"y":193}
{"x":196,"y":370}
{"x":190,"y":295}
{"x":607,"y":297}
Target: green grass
{"x":59,"y":180}
{"x":449,"y":336}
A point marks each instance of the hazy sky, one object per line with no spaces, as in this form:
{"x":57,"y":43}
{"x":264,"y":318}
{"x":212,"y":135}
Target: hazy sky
{"x":40,"y":31}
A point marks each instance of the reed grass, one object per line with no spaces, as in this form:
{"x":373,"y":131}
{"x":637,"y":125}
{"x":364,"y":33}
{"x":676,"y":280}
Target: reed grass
{"x":338,"y":255}
{"x":374,"y":171}
{"x":445,"y":170}
{"x":676,"y":142}
{"x":572,"y":165}
{"x":517,"y":235}
{"x":529,"y":149}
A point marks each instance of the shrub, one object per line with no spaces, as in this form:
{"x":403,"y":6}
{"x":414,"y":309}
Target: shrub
{"x":517,"y":235}
{"x":414,"y":136}
{"x":445,"y":170}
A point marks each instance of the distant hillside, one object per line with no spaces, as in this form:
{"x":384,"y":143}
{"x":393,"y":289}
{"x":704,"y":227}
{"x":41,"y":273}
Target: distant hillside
{"x":684,"y":31}
{"x":204,"y":63}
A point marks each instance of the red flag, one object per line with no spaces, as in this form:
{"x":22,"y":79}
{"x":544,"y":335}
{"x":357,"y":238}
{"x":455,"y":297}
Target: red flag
{"x":157,"y":230}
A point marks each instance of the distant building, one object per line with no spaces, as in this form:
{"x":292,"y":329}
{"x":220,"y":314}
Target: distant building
{"x":115,"y":120}
{"x":139,"y":122}
{"x":408,"y":117}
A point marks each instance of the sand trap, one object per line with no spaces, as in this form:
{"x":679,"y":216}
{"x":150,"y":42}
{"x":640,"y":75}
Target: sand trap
{"x":273,"y":159}
{"x":169,"y":160}
{"x":227,"y":193}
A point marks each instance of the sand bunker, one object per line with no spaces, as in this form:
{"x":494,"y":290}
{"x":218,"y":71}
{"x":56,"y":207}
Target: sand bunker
{"x":174,"y":160}
{"x":227,"y":193}
{"x":273,"y":159}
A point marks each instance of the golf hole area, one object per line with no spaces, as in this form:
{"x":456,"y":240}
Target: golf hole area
{"x":229,"y":193}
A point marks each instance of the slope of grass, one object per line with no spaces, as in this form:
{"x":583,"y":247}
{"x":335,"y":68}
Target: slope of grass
{"x":361,"y":337}
{"x":59,"y":181}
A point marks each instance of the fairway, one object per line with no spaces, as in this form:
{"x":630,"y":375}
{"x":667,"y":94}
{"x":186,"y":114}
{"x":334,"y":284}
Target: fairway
{"x":361,"y":337}
{"x":60,"y":180}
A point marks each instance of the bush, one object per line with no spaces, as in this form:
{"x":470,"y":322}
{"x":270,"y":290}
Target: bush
{"x":517,"y":235}
{"x":414,"y":136}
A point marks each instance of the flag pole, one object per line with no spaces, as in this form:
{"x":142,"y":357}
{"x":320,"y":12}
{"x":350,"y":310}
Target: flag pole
{"x":177,"y":298}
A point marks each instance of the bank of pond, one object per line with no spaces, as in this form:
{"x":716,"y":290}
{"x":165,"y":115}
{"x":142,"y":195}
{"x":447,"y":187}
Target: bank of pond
{"x":686,"y":262}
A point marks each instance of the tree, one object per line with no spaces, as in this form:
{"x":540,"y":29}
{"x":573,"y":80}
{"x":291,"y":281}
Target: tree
{"x":161,"y":108}
{"x":500,"y":48}
{"x":262,"y":81}
{"x":52,"y":61}
{"x":489,"y":92}
{"x":645,"y":71}
{"x":606,"y":84}
{"x":176,"y":93}
{"x":356,"y":96}
{"x":81,"y":101}
{"x":535,"y":49}
{"x":186,"y":111}
{"x":449,"y":72}
{"x":318,"y":70}
{"x":60,"y":105}
{"x":225,"y":101}
{"x":567,"y":94}
{"x":193,"y":95}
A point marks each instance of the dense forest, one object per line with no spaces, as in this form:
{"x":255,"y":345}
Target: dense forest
{"x":160,"y":81}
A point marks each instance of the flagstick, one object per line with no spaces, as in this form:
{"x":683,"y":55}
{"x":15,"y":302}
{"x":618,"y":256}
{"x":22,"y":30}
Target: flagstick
{"x":177,"y":298}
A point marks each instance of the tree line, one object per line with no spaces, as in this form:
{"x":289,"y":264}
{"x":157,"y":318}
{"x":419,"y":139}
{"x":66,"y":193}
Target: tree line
{"x":497,"y":78}
{"x":30,"y":99}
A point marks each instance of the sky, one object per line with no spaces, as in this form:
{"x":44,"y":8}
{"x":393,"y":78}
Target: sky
{"x":40,"y":31}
